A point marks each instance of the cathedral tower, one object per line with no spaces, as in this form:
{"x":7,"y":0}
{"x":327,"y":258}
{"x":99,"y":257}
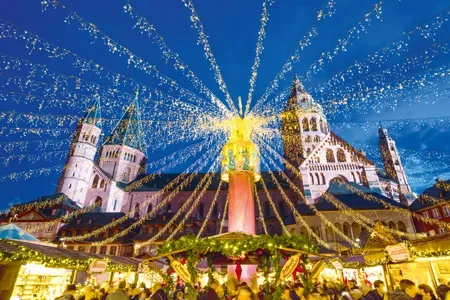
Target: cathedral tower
{"x":123,"y":155}
{"x":303,"y":124}
{"x":74,"y":181}
{"x":392,"y":164}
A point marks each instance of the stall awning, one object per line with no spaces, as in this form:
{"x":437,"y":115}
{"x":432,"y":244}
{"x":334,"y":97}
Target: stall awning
{"x":12,"y":251}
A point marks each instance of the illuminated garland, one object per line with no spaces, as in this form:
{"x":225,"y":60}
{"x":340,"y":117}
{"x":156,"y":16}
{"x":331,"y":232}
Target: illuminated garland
{"x":64,"y":218}
{"x":312,"y":207}
{"x":33,"y":158}
{"x":225,"y":211}
{"x":228,"y":248}
{"x":261,"y":215}
{"x":37,"y":205}
{"x":25,"y":175}
{"x":306,"y":41}
{"x":206,"y":181}
{"x":258,"y":52}
{"x":210,"y":211}
{"x":297,"y":215}
{"x":86,"y":66}
{"x":41,"y":145}
{"x":391,"y":207}
{"x":25,"y":255}
{"x":203,"y":40}
{"x":161,"y":204}
{"x":193,"y":206}
{"x":440,"y":184}
{"x":272,"y":205}
{"x":421,"y":61}
{"x":169,"y":55}
{"x":378,"y":58}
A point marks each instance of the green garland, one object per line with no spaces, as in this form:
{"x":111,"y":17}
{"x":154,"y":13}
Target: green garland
{"x":196,"y":249}
{"x":25,"y":255}
{"x":232,"y":247}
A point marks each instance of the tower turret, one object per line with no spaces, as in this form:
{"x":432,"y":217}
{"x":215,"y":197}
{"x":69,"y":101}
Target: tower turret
{"x":303,"y":124}
{"x":392,"y":164}
{"x":123,"y":154}
{"x":74,"y":180}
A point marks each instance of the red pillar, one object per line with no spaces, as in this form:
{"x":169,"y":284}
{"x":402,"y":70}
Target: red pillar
{"x":241,"y":215}
{"x":241,"y":203}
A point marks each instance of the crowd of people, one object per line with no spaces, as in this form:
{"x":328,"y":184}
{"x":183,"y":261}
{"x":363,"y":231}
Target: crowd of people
{"x":326,"y":290}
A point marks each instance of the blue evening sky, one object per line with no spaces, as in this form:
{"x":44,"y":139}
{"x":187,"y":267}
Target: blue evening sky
{"x":232,"y":28}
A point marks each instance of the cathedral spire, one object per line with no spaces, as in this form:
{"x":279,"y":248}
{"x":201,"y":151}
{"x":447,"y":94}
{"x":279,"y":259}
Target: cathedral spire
{"x":93,"y":115}
{"x":129,"y":131}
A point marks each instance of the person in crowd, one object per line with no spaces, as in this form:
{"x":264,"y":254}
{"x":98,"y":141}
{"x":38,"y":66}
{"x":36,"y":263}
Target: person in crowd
{"x":378,"y":292}
{"x":145,"y":294}
{"x":180,"y":295}
{"x":296,"y":292}
{"x":87,"y":290}
{"x":356,"y":294}
{"x":352,"y":285}
{"x":158,"y":293}
{"x":365,"y":289}
{"x":134,"y":292}
{"x":210,"y":292}
{"x":119,"y":294}
{"x":69,"y":293}
{"x":406,"y":291}
{"x":102,"y":294}
{"x":443,"y":292}
{"x":324,"y":296}
{"x":245,"y":293}
{"x":426,"y":292}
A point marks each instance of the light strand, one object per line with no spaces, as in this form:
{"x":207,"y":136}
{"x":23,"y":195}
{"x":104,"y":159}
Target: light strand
{"x":203,"y":40}
{"x":258,"y":51}
{"x":210,"y":211}
{"x":225,"y":212}
{"x":274,"y":208}
{"x":260,"y":211}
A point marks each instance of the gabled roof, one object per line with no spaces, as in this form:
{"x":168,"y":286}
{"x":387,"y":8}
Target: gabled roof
{"x":348,"y":197}
{"x":434,"y":192}
{"x":93,"y":115}
{"x":129,"y":131}
{"x":299,"y":98}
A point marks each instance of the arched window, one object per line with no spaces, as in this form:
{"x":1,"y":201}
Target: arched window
{"x":137,"y":207}
{"x":281,"y":208}
{"x":338,"y":226}
{"x":312,"y":178}
{"x":267,"y":209}
{"x":169,"y":208}
{"x":95,"y":181}
{"x":401,"y":226}
{"x":215,"y":210}
{"x":353,"y":176}
{"x":316,"y":138}
{"x":313,"y":124}
{"x":341,"y":155}
{"x":308,"y":151}
{"x":317,"y":178}
{"x":356,"y":228}
{"x":359,"y":176}
{"x":201,"y":210}
{"x":308,"y":139}
{"x":392,"y":225}
{"x":305,"y":124}
{"x":322,"y":128}
{"x":346,"y":229}
{"x":98,"y":202}
{"x":329,"y":233}
{"x":102,"y":183}
{"x":330,"y":156}
{"x":149,"y":207}
{"x":304,"y":231}
{"x":323,"y":178}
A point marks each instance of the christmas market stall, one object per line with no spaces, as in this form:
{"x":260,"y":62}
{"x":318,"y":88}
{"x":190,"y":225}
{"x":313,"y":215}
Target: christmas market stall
{"x":41,"y":271}
{"x":227,"y":257}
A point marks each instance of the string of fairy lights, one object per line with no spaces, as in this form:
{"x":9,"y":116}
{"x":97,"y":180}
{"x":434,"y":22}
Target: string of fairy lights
{"x":176,"y":115}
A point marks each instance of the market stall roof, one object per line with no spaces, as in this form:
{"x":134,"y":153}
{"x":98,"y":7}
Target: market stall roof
{"x":13,"y":232}
{"x":13,"y":250}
